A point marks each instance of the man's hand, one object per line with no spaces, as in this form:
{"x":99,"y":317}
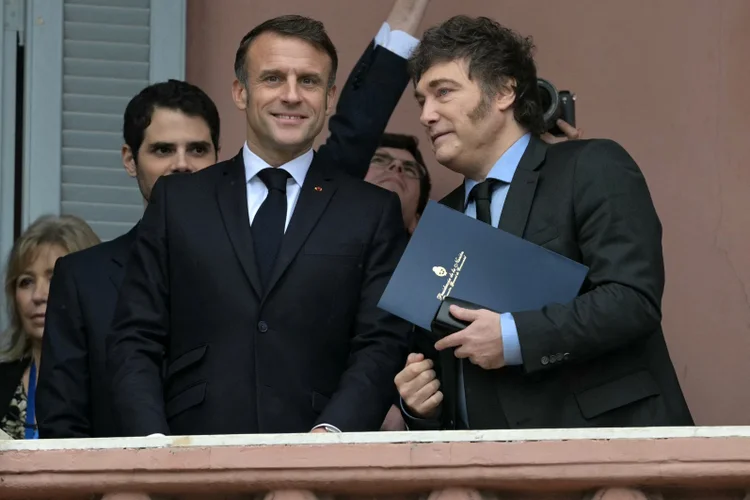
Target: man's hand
{"x":571,"y":133}
{"x":481,"y":342}
{"x":319,"y":430}
{"x":406,"y":15}
{"x":419,"y":387}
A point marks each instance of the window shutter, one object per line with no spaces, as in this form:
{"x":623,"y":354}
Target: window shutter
{"x":106,"y":48}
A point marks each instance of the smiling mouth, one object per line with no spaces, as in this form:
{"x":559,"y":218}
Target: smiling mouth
{"x":289,"y":118}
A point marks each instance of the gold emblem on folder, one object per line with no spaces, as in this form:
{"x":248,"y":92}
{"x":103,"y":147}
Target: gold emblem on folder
{"x":458,"y":264}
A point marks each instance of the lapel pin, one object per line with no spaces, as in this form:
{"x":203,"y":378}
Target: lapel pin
{"x":318,"y":188}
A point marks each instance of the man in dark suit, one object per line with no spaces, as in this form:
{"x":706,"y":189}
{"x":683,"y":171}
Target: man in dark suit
{"x":169,"y":127}
{"x":598,"y":361}
{"x":258,"y":278}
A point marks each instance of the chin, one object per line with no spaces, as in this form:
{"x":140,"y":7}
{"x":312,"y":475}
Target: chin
{"x":444,"y":156}
{"x":293,"y":140}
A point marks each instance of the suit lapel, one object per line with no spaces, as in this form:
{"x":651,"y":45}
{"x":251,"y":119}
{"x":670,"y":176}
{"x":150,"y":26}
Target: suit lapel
{"x":314,"y":196}
{"x":522,"y":188}
{"x":231,"y":193}
{"x":455,"y":199}
{"x":120,"y":256}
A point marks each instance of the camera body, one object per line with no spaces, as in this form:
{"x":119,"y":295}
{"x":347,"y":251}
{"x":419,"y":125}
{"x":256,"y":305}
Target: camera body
{"x":556,"y":105}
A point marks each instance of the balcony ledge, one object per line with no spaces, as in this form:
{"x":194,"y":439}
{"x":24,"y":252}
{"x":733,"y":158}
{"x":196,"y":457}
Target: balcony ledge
{"x":714,"y":461}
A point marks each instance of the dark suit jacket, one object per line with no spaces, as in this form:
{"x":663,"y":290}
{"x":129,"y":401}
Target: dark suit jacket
{"x":312,"y":349}
{"x":73,"y":393}
{"x":72,"y":401}
{"x":601,"y":360}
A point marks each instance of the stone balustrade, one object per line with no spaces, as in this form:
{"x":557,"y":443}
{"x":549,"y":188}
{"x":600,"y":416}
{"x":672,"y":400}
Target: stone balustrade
{"x":592,"y":464}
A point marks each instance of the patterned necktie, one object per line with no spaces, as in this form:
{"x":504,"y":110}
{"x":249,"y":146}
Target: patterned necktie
{"x":268,"y":224}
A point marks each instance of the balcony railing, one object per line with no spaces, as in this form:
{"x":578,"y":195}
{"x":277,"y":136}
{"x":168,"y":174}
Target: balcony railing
{"x":603,"y":464}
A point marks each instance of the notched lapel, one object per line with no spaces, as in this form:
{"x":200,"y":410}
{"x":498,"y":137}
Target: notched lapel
{"x":120,"y":257}
{"x":232,"y":197}
{"x":455,"y":199}
{"x":522,"y":189}
{"x":314,"y":196}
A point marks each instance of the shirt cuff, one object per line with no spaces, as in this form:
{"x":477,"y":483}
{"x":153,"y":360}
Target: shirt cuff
{"x":511,"y":344}
{"x":327,"y":427}
{"x":399,"y":42}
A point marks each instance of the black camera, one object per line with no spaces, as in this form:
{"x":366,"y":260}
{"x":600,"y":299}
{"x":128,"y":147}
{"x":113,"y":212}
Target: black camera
{"x":556,"y":105}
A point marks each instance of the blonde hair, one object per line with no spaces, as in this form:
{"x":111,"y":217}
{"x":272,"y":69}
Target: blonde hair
{"x":66,"y":231}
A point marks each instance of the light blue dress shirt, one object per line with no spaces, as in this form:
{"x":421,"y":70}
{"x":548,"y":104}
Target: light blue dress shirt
{"x":503,"y":171}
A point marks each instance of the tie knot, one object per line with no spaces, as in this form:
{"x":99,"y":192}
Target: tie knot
{"x":483,"y":190}
{"x":274,"y":178}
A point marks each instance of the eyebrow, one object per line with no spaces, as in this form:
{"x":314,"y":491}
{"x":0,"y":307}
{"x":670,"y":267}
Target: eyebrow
{"x":164,"y":144}
{"x":275,"y":72}
{"x":436,"y":83}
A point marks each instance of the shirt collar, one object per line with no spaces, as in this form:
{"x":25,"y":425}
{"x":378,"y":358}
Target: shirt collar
{"x":297,"y":168}
{"x":504,"y":168}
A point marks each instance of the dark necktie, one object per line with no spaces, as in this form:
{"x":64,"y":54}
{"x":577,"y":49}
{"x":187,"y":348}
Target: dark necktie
{"x":268,"y":225}
{"x":481,"y":194}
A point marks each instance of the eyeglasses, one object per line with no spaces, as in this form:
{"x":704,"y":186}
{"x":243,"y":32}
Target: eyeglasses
{"x":410,"y":168}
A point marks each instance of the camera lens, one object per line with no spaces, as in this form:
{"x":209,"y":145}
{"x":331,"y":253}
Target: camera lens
{"x":550,"y":100}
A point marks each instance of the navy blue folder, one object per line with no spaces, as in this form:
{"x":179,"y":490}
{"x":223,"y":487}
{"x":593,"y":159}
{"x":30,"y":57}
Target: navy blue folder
{"x":452,"y":254}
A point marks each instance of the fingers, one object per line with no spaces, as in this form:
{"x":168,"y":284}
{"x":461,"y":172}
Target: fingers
{"x":569,"y":130}
{"x":418,"y":391}
{"x":412,"y":370}
{"x":425,"y":400}
{"x":571,"y":133}
{"x":464,"y":314}
{"x":461,"y":353}
{"x":429,"y":407}
{"x":452,"y":340}
{"x":414,"y":358}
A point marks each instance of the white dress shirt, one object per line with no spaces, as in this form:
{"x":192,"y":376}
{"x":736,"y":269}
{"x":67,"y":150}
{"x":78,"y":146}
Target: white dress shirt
{"x":257,"y":190}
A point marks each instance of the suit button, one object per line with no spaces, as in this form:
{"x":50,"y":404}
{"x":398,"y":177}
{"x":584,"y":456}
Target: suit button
{"x":566,"y":356}
{"x":559,"y":356}
{"x":262,"y":327}
{"x":545,"y":360}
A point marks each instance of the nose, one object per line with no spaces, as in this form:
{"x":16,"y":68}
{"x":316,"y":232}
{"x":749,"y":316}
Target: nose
{"x":181,"y":164}
{"x":291,"y":93}
{"x":396,"y":166}
{"x":41,"y":292}
{"x":429,"y":115}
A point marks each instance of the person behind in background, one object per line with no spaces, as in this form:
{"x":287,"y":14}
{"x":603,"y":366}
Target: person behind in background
{"x":27,"y":279}
{"x":169,"y":128}
{"x":397,"y":166}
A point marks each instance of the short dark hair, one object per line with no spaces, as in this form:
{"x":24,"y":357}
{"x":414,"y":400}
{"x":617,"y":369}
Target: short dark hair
{"x":495,"y":55}
{"x":172,"y":94}
{"x":411,"y":144}
{"x":304,"y":28}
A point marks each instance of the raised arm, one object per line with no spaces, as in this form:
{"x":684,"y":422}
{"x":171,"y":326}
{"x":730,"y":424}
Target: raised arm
{"x":372,"y":90}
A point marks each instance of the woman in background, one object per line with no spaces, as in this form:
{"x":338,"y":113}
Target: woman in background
{"x":27,"y":280}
